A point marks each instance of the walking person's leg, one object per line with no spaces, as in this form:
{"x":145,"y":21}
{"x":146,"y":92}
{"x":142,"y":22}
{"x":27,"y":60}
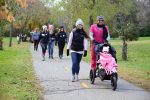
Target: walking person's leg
{"x":59,"y":49}
{"x":43,"y":50}
{"x":37,"y":44}
{"x":62,"y":49}
{"x":34,"y":44}
{"x":93,"y":57}
{"x":74,"y":64}
{"x":19,"y":40}
{"x":79,"y":57}
{"x":52,"y":48}
{"x":49,"y":49}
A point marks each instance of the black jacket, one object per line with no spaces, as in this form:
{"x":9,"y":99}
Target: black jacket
{"x":78,"y":40}
{"x":44,"y":37}
{"x":61,"y":37}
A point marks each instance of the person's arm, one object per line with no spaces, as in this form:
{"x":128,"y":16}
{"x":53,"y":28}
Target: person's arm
{"x":85,"y":47}
{"x":108,"y":37}
{"x":65,"y":37}
{"x":85,"y":44}
{"x":70,"y":40}
{"x":48,"y":36}
{"x":91,"y":36}
{"x":91,"y":33}
{"x":40,"y":37}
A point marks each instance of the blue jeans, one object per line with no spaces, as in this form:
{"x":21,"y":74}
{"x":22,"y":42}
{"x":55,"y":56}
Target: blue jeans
{"x":51,"y":48}
{"x":76,"y":59}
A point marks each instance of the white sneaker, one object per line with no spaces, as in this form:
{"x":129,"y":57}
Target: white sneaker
{"x":73,"y":79}
{"x":77,"y":78}
{"x":43,"y":58}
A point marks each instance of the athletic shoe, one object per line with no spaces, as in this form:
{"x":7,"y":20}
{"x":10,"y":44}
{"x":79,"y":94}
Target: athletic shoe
{"x":73,"y":79}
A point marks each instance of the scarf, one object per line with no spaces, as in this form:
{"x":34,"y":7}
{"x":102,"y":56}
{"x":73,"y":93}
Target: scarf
{"x":105,"y":32}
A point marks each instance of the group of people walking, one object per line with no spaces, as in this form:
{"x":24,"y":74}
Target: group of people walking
{"x":49,"y":37}
{"x":77,"y":45}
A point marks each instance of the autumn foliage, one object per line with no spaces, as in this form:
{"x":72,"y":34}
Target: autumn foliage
{"x":6,"y":13}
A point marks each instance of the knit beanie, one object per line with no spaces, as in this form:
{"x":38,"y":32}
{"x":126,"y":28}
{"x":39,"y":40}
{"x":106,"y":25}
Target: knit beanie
{"x":79,"y":22}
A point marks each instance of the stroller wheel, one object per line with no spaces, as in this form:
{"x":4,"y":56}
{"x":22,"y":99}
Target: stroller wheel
{"x":92,"y":76}
{"x":114,"y":82}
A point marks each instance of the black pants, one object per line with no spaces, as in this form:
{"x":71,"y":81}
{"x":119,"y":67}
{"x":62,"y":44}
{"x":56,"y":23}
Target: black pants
{"x":61,"y":48}
{"x":36,"y":43}
{"x":44,"y":48}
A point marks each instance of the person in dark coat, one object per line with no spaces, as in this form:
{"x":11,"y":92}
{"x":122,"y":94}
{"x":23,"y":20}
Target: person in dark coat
{"x":61,"y":39}
{"x":44,"y":38}
{"x":77,"y":45}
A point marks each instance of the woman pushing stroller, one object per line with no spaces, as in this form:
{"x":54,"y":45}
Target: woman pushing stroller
{"x":99,"y":33}
{"x":103,"y":55}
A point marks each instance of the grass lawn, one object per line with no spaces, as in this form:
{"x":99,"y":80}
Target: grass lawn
{"x":17,"y":79}
{"x":137,"y":69}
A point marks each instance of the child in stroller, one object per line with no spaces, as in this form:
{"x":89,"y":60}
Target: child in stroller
{"x":107,"y":61}
{"x":106,"y":64}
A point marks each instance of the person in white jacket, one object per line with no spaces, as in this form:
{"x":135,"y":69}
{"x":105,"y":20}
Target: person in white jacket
{"x":77,"y":45}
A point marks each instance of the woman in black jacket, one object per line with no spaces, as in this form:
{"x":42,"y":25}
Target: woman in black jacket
{"x":61,"y":39}
{"x":44,"y":38}
{"x":77,"y":45}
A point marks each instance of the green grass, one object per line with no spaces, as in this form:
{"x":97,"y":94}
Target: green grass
{"x":17,"y":80}
{"x":137,"y":68}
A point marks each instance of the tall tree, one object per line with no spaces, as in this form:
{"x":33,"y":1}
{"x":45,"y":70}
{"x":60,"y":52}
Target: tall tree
{"x":21,"y":14}
{"x":125,"y":23}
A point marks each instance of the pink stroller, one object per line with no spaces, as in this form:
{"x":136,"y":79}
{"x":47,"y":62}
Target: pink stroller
{"x":106,"y":66}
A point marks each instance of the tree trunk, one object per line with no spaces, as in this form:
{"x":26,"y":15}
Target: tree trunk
{"x":1,"y":44}
{"x":91,"y":16}
{"x":10,"y":35}
{"x":91,"y":20}
{"x":124,"y":50}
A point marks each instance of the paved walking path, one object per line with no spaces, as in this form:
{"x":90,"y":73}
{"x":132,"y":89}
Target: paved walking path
{"x":55,"y":78}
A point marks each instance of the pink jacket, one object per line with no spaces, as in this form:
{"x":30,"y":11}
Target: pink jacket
{"x":108,"y":63}
{"x":97,"y":33}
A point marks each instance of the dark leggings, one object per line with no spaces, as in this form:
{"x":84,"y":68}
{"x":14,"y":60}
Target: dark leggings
{"x":61,"y":48}
{"x":36,"y":42}
{"x":44,"y":48}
